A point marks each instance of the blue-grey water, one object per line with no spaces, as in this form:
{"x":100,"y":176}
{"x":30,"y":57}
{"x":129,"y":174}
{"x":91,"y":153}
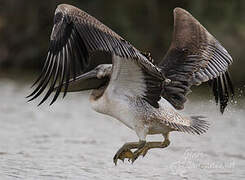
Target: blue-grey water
{"x":70,"y":141}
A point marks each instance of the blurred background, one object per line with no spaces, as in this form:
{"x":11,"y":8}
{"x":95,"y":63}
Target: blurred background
{"x":25,"y":27}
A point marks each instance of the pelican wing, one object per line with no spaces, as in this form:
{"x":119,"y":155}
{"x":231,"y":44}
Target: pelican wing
{"x":75,"y":36}
{"x":195,"y":56}
{"x":132,"y":80}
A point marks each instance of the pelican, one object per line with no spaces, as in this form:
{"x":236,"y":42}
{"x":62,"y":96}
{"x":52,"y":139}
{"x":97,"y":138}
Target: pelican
{"x":143,"y":94}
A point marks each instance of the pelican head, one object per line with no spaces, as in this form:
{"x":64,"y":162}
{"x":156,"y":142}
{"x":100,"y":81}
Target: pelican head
{"x":102,"y":73}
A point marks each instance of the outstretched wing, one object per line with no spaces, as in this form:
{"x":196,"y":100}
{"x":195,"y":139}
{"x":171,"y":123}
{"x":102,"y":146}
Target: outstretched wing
{"x":195,"y":56}
{"x":75,"y":36}
{"x":129,"y":79}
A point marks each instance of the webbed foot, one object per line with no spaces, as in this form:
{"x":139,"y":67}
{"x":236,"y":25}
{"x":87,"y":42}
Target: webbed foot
{"x":123,"y":154}
{"x":142,"y":148}
{"x":125,"y":151}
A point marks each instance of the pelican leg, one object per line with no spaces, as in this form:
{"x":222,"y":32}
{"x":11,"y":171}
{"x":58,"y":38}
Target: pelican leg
{"x":149,"y":145}
{"x":125,"y":151}
{"x":142,"y":149}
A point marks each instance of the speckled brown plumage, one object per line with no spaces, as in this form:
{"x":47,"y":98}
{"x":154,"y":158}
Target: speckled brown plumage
{"x":195,"y":56}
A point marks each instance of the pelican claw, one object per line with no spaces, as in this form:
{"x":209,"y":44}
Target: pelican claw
{"x":122,"y":154}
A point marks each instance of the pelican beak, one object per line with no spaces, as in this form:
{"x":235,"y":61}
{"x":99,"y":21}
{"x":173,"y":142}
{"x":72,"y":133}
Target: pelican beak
{"x":88,"y":75}
{"x":85,"y":81}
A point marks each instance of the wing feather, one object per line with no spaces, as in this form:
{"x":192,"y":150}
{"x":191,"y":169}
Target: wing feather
{"x":131,"y":80}
{"x":194,"y":57}
{"x":75,"y":37}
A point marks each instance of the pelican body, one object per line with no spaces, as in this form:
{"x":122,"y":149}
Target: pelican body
{"x":143,"y":94}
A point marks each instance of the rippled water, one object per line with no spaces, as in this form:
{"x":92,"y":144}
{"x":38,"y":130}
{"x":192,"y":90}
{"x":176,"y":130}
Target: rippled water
{"x":70,"y":141}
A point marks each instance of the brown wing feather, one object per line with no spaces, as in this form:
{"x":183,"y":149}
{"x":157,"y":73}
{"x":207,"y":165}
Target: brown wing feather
{"x":195,"y":56}
{"x":75,"y":37}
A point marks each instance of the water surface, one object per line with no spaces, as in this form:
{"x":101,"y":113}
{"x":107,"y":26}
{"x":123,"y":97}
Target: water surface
{"x":70,"y":141}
